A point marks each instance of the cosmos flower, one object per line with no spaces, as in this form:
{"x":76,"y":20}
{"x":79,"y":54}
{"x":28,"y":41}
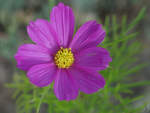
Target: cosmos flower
{"x":72,"y":62}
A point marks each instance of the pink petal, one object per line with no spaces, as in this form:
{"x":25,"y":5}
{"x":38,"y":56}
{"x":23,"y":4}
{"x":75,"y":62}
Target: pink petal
{"x":65,"y":86}
{"x":89,"y":81}
{"x":30,"y":54}
{"x":42,"y":75}
{"x":42,"y":33}
{"x":96,"y":58}
{"x":89,"y":34}
{"x":62,"y":19}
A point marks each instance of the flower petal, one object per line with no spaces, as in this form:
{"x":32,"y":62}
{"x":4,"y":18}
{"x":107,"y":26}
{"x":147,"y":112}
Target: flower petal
{"x":41,"y":32}
{"x":62,"y":19}
{"x":30,"y":54}
{"x":65,"y":86}
{"x":89,"y":81}
{"x":89,"y":34}
{"x":42,"y":75}
{"x":96,"y":58}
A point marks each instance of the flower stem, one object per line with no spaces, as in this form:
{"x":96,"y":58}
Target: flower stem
{"x":42,"y":97}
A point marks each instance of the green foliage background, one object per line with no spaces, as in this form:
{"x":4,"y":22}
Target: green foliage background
{"x":118,"y":95}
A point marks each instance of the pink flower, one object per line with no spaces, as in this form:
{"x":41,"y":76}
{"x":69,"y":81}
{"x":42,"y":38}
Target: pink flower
{"x":72,"y":62}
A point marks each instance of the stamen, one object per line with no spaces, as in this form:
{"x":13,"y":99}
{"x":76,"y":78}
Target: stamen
{"x":64,"y":58}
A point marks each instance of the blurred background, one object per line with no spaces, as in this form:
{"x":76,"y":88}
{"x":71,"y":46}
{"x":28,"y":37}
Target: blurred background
{"x":16,"y":14}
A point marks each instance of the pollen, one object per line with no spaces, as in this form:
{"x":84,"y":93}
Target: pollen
{"x":64,"y":58}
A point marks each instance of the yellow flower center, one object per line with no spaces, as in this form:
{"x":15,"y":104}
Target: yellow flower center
{"x":64,"y":58}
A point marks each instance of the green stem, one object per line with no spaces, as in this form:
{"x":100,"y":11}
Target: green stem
{"x":42,"y":97}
